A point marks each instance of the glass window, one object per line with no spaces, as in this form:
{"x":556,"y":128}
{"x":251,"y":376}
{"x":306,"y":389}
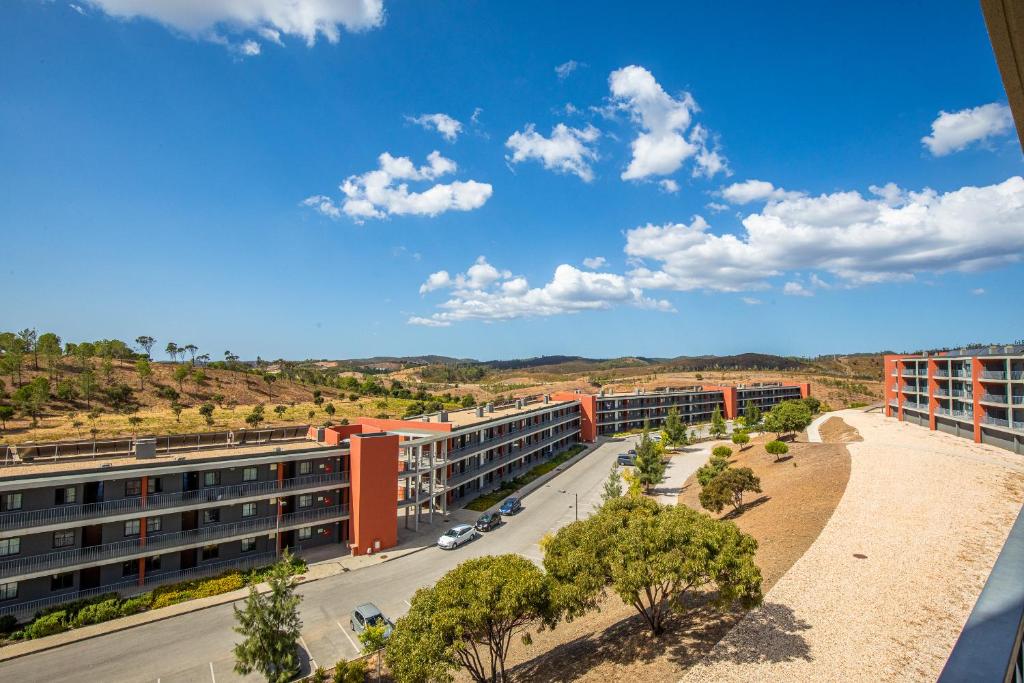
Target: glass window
{"x":12,"y":501}
{"x":10,"y":546}
{"x":211,"y":516}
{"x":248,"y":545}
{"x":248,"y":509}
{"x":8,"y":591}
{"x":211,"y":478}
{"x":153,"y":563}
{"x":133,"y":487}
{"x":211,"y":552}
{"x":154,"y":485}
{"x":130,"y":568}
{"x":154,"y":524}
{"x":305,"y":500}
{"x":131,"y":527}
{"x":305,"y":467}
{"x":59,"y":582}
{"x":64,"y":539}
{"x":305,"y":532}
{"x":64,"y":496}
{"x":250,"y":474}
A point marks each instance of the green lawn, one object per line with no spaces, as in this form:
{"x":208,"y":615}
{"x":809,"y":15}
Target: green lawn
{"x":489,"y":500}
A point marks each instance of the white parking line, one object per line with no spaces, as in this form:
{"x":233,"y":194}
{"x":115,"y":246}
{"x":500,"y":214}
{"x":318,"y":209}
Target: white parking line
{"x":407,"y":603}
{"x":212,"y":674}
{"x":356,"y":647}
{"x":312,"y":662}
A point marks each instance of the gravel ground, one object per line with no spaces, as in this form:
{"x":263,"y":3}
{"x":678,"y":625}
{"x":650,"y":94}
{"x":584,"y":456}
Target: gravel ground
{"x":883,"y":592}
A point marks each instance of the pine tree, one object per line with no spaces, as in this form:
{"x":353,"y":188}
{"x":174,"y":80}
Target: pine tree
{"x":270,"y":625}
{"x":717,"y":424}
{"x":751,"y":414}
{"x":649,"y":467}
{"x":613,"y":485}
{"x":673,"y":433}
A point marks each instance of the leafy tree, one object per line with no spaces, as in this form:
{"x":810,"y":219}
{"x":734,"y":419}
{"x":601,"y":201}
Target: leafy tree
{"x":172,"y":351}
{"x":77,"y":426}
{"x":649,"y":467}
{"x":812,"y":403}
{"x":181,"y":373}
{"x":49,"y":346}
{"x":107,"y":368}
{"x":13,"y":356}
{"x":714,"y":467}
{"x":776,"y":448}
{"x":28,"y":339}
{"x":651,"y":556}
{"x":66,"y":390}
{"x":146,"y":343}
{"x":468,"y":620}
{"x":751,"y":415}
{"x":741,"y":439}
{"x":717,"y":423}
{"x":311,"y":414}
{"x":330,"y":409}
{"x":373,"y":637}
{"x":134,"y":421}
{"x":787,"y":417}
{"x":269,"y":379}
{"x":721,"y":452}
{"x":468,"y":401}
{"x":613,"y":485}
{"x":728,"y":488}
{"x":32,"y":397}
{"x":206,"y":410}
{"x":280,"y":411}
{"x":144,"y":370}
{"x":176,"y":408}
{"x":270,"y":627}
{"x":6,"y":413}
{"x":254,"y":418}
{"x":673,"y":433}
{"x":87,"y":386}
{"x":350,"y":672}
{"x":191,"y":350}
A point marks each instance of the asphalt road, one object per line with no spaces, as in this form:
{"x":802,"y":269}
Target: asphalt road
{"x":197,"y":646}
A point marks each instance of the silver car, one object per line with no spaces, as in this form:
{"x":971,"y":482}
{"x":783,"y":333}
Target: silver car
{"x":369,"y":614}
{"x":456,"y":536}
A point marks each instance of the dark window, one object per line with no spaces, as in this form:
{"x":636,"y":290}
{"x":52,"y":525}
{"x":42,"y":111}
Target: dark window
{"x":63,"y":539}
{"x":133,"y":487}
{"x":305,"y":500}
{"x":8,"y":591}
{"x":305,"y":467}
{"x":132,"y":527}
{"x":211,"y":552}
{"x":154,"y":485}
{"x":154,"y":524}
{"x":12,"y":501}
{"x":248,"y":509}
{"x":250,"y":474}
{"x":305,"y":532}
{"x":64,"y":496}
{"x":211,"y":516}
{"x":10,"y":546}
{"x":153,"y":563}
{"x":130,"y":568}
{"x":59,"y":582}
{"x":248,"y":545}
{"x":211,"y":478}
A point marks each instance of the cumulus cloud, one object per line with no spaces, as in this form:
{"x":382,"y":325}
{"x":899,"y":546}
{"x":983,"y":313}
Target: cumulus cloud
{"x":565,"y":69}
{"x":210,"y":19}
{"x":751,"y":301}
{"x":595,"y":262}
{"x":954,"y":131}
{"x":662,"y":145}
{"x":978,"y":291}
{"x":889,"y":236}
{"x":487,"y":293}
{"x":796,"y":289}
{"x":669,"y":185}
{"x":249,"y":48}
{"x":378,"y":193}
{"x":754,"y":191}
{"x":568,"y":150}
{"x":448,"y":127}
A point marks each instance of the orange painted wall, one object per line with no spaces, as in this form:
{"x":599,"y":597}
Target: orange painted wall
{"x":977,"y":389}
{"x":588,"y":412}
{"x":374,"y":473}
{"x":398,"y":425}
{"x":933,"y":388}
{"x":730,"y":401}
{"x":338,"y":433}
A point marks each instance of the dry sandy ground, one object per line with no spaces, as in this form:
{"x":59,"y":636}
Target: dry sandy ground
{"x":883,"y":592}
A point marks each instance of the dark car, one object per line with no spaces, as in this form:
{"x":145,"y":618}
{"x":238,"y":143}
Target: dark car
{"x":488,"y":521}
{"x":627,"y":460}
{"x":511,"y":506}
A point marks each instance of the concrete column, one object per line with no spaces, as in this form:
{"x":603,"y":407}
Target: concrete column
{"x":977,"y":389}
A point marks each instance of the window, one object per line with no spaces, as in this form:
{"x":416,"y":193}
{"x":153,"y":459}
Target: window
{"x":154,"y":485}
{"x":248,"y":545}
{"x":305,"y":467}
{"x":10,"y":546}
{"x":249,"y":509}
{"x":12,"y":501}
{"x":131,"y":527}
{"x":64,"y":496}
{"x":210,"y":552}
{"x":64,"y":539}
{"x":250,"y":474}
{"x":59,"y":582}
{"x":8,"y":591}
{"x":211,"y":478}
{"x":305,"y":532}
{"x":130,"y":568}
{"x":211,"y":516}
{"x":305,"y":500}
{"x":133,"y":487}
{"x":154,"y":524}
{"x":153,"y":563}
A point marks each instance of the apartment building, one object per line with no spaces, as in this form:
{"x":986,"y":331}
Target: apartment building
{"x":973,"y":393}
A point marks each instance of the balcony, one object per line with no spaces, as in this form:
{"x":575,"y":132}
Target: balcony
{"x":966,"y":414}
{"x":993,"y":398}
{"x":1017,"y":399}
{"x":999,"y":375}
{"x":502,"y":439}
{"x":459,"y":478}
{"x":66,"y":560}
{"x":942,"y":373}
{"x":995,"y":421}
{"x":131,"y":506}
{"x":1017,"y":374}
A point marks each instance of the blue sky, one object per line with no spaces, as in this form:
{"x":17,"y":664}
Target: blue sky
{"x":158,"y":178}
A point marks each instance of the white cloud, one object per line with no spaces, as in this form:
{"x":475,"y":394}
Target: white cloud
{"x":954,"y":131}
{"x":669,"y":185}
{"x":978,"y":291}
{"x":568,"y":150}
{"x":375,"y":194}
{"x":486,"y":293}
{"x":436,"y":281}
{"x":751,"y":301}
{"x":857,"y":239}
{"x":249,"y":48}
{"x":306,"y":19}
{"x":595,"y":262}
{"x":755,"y":191}
{"x":796,"y":289}
{"x":661,"y":147}
{"x":442,"y":123}
{"x":716,"y":207}
{"x":77,"y":8}
{"x":564,"y":70}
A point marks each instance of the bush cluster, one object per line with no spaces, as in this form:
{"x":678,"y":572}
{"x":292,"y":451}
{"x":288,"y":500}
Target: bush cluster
{"x":199,"y":588}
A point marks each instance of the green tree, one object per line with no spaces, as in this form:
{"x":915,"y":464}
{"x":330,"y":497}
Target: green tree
{"x":813,"y":404}
{"x":648,"y":463}
{"x":13,"y":356}
{"x":87,"y":386}
{"x":710,"y":470}
{"x":255,"y":418}
{"x":49,"y":346}
{"x":172,"y":351}
{"x":717,"y":423}
{"x":146,"y":343}
{"x":32,"y":397}
{"x":270,"y":379}
{"x":612,"y":486}
{"x":270,"y":627}
{"x":468,"y":620}
{"x":651,"y":556}
{"x":134,"y":421}
{"x":6,"y":413}
{"x":191,"y":349}
{"x":350,"y":672}
{"x":741,"y":439}
{"x":206,"y":410}
{"x":85,"y":352}
{"x":776,"y":448}
{"x":29,"y":343}
{"x":144,"y":370}
{"x":280,"y":411}
{"x":728,"y":488}
{"x":176,"y":408}
{"x":181,"y":373}
{"x":751,"y":415}
{"x":107,"y":368}
{"x":788,"y":417}
{"x":468,"y":401}
{"x":721,"y":452}
{"x":673,"y":433}
{"x":373,"y":637}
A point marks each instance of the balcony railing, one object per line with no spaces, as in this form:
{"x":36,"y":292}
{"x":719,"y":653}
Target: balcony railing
{"x":1017,"y":399}
{"x":993,"y":374}
{"x":502,"y":439}
{"x":458,"y":478}
{"x":942,"y":373}
{"x":954,"y":413}
{"x":164,"y":501}
{"x":152,"y":545}
{"x":994,"y":398}
{"x":131,"y":587}
{"x":997,"y":421}
{"x":1017,"y":425}
{"x":1017,"y":374}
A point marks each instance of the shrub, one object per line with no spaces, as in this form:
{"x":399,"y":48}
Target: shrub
{"x":96,"y":613}
{"x":350,"y":672}
{"x":728,"y":488}
{"x":200,"y":588}
{"x":711,"y":470}
{"x":136,"y":605}
{"x":776,"y":448}
{"x":47,"y":625}
{"x":741,"y":439}
{"x":721,"y":452}
{"x":8,"y":624}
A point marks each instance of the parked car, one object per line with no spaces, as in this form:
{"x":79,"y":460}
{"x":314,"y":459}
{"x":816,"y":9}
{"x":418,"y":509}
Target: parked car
{"x":627,"y":460}
{"x":655,"y":437}
{"x":488,"y":521}
{"x":369,"y":615}
{"x":456,"y":536}
{"x":511,"y":506}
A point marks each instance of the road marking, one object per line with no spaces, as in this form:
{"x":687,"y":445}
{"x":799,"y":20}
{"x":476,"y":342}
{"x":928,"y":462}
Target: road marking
{"x":356,"y":647}
{"x":212,"y":674}
{"x":312,"y":662}
{"x":405,"y":601}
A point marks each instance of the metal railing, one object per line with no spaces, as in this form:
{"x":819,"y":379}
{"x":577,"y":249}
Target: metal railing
{"x":1017,"y":399}
{"x":1019,"y":426}
{"x":953,"y":413}
{"x":993,"y":374}
{"x":151,"y":545}
{"x":130,"y":587}
{"x":997,"y":421}
{"x":163,"y":501}
{"x":994,"y":398}
{"x":502,"y":439}
{"x":459,"y":478}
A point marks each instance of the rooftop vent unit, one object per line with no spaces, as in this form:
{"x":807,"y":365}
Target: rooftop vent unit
{"x":638,"y":391}
{"x":442,"y":416}
{"x":519,"y":404}
{"x":490,"y":407}
{"x":144,"y":449}
{"x":547,"y":398}
{"x":601,"y":392}
{"x":479,"y":411}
